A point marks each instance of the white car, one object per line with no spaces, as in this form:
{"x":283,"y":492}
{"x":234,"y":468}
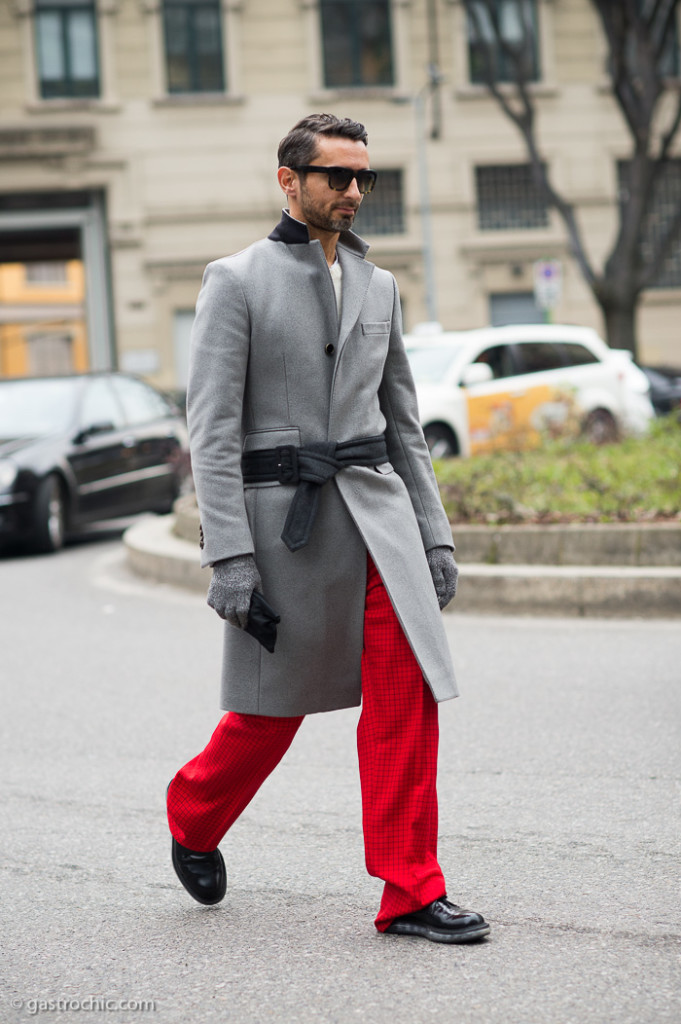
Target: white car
{"x":501,"y":387}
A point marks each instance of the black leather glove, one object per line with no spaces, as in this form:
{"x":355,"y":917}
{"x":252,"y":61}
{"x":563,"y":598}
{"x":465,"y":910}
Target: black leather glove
{"x":445,"y":573}
{"x":231,"y":588}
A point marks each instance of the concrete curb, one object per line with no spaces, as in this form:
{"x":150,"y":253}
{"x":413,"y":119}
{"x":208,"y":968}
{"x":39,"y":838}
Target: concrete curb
{"x":187,"y":522}
{"x":618,"y":544}
{"x":598,"y":591}
{"x":154,"y":550}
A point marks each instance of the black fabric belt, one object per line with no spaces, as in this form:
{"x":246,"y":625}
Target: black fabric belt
{"x":309,"y":467}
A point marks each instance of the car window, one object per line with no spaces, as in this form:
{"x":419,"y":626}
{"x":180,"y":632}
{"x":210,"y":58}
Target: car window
{"x":141,"y":403}
{"x":577,"y":355}
{"x":429,"y":365}
{"x":37,"y":408}
{"x":535,"y":356}
{"x":100,"y":405}
{"x":499,"y":358}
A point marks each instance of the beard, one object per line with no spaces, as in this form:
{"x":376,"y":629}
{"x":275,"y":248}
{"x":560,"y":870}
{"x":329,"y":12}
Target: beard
{"x":324,"y":219}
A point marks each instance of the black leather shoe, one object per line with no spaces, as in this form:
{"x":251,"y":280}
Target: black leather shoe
{"x":202,"y":874}
{"x":441,"y":921}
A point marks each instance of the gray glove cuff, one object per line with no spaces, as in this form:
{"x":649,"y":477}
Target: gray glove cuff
{"x":445,"y":573}
{"x":231,"y":588}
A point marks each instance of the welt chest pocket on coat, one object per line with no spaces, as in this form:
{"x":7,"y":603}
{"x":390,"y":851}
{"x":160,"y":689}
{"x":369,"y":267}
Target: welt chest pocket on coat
{"x":378,"y":327}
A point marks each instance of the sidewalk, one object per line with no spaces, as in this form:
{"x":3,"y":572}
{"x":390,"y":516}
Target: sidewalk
{"x":623,"y":570}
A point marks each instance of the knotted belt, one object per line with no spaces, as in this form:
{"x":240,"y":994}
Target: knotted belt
{"x":310,"y":467}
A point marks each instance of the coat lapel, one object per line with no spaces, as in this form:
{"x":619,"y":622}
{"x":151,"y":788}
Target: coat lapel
{"x":356,"y":278}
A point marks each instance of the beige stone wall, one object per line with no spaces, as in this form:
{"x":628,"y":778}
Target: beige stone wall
{"x":189,"y":179}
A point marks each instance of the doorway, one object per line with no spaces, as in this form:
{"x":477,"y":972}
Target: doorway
{"x":55,"y":294}
{"x":514,"y":308}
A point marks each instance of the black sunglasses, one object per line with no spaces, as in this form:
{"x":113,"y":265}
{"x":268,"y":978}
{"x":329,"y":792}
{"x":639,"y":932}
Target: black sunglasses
{"x":340,"y":177}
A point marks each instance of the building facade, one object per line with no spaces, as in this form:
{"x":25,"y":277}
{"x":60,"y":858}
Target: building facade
{"x":138,"y":141}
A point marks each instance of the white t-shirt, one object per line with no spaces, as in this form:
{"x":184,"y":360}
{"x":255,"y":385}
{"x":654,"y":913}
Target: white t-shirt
{"x":337,"y":278}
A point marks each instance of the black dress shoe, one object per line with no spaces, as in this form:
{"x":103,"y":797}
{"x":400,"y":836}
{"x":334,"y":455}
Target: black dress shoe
{"x":441,"y":921}
{"x":202,"y":874}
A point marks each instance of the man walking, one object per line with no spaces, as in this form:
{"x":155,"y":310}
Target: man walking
{"x":316,"y":493}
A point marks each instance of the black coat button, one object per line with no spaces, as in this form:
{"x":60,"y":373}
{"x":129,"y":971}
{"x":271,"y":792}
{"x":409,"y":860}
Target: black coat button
{"x":330,"y":349}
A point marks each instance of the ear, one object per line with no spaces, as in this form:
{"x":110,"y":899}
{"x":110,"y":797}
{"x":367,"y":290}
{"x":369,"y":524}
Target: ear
{"x":288,"y":180}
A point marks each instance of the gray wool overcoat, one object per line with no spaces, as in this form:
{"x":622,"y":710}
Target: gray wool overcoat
{"x":272,"y":364}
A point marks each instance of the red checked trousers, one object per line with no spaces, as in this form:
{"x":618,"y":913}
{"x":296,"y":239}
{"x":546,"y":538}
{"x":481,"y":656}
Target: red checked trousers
{"x":397,"y":739}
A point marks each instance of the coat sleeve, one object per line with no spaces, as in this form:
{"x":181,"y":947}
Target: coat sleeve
{"x":407,"y":447}
{"x":217,"y":376}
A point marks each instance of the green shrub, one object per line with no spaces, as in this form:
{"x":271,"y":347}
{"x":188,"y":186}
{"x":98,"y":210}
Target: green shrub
{"x":564,"y":480}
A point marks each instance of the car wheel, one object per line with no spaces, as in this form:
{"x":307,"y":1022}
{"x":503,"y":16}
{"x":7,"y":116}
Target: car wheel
{"x":441,"y":441}
{"x":600,"y":427}
{"x":49,"y":515}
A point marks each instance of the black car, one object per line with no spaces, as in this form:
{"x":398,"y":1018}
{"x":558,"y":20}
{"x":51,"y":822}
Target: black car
{"x":665,"y":389}
{"x":77,"y":449}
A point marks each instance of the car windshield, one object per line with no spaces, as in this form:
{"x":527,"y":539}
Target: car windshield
{"x":36,"y":408}
{"x":430,"y":364}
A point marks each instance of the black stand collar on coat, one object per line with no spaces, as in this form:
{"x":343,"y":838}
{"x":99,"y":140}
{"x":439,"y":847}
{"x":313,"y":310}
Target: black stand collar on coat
{"x":294,"y":232}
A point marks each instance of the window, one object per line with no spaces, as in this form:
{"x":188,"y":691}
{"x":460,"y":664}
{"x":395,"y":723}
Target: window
{"x":537,"y":356}
{"x":382,"y":211}
{"x":50,"y":354}
{"x":514,"y":308}
{"x":48,"y":272}
{"x":193,"y":46}
{"x":517,"y":21}
{"x":100,"y":406}
{"x":356,"y":43}
{"x":508,"y":198}
{"x":431,"y":365}
{"x":663,"y":207}
{"x":668,"y":58}
{"x":499,"y":358}
{"x":66,"y":44}
{"x":140,"y":403}
{"x":577,"y":355}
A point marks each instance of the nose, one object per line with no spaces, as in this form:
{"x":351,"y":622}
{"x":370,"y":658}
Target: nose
{"x":352,"y":191}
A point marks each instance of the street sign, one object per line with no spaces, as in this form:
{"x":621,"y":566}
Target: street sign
{"x":548,"y":283}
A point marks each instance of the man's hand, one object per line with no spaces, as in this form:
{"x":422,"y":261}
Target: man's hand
{"x":231,"y":588}
{"x":445,"y":573}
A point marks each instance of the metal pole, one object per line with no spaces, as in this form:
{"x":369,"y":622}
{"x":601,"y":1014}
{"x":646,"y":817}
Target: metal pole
{"x":424,"y":193}
{"x":433,"y":71}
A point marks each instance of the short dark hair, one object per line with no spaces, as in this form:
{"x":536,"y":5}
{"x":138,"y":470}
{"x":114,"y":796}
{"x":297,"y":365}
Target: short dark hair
{"x":300,"y":145}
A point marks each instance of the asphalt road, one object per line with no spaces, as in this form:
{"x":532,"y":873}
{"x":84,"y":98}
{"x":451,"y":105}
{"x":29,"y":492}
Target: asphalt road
{"x":559,"y":804}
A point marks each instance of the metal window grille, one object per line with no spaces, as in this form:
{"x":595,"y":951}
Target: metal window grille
{"x":193,"y":45}
{"x":48,"y":272}
{"x":66,"y":48}
{"x":382,"y":211}
{"x":518,"y":29}
{"x":664,"y":206}
{"x":509,"y":198}
{"x":356,"y":43}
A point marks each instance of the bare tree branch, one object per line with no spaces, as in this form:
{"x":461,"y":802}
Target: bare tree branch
{"x":669,"y":136}
{"x":661,"y":22}
{"x":489,"y":71}
{"x":622,"y":27}
{"x":638,"y":34}
{"x":524,"y":119}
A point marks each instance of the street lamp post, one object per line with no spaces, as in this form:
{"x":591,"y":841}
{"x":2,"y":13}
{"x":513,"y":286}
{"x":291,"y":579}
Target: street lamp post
{"x":424,"y":201}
